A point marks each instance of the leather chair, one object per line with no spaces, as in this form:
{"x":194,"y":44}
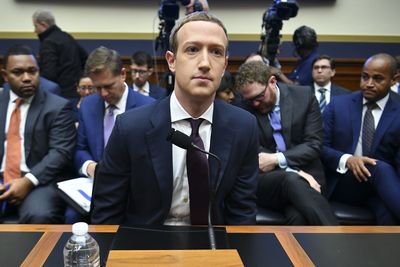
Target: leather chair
{"x":352,"y":215}
{"x":269,"y":217}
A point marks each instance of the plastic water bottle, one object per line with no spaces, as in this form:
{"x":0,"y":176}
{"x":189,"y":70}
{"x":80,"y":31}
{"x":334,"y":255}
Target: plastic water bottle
{"x":81,"y":250}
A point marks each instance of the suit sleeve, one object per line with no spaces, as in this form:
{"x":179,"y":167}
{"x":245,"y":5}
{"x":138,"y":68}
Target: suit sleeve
{"x":241,"y":205}
{"x":309,"y":148}
{"x":82,"y":153}
{"x":61,"y":136}
{"x":111,"y":185}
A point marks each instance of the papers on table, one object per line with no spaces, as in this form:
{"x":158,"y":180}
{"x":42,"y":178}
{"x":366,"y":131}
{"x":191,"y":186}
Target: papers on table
{"x":79,"y":190}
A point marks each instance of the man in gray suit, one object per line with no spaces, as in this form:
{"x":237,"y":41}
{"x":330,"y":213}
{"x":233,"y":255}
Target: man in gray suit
{"x":291,"y":178}
{"x":323,"y":70}
{"x":44,"y":135}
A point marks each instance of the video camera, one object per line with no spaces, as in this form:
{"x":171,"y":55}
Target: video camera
{"x":272,"y":24}
{"x":168,"y":14}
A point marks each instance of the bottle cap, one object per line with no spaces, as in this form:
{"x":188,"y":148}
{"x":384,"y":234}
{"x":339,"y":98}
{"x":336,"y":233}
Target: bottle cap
{"x":80,"y":228}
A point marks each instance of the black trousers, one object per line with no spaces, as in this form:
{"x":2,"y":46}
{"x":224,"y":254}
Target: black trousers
{"x":292,"y":195}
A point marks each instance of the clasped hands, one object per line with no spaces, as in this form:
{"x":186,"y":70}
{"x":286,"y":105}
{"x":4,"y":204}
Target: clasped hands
{"x":268,"y":161}
{"x":15,"y":191}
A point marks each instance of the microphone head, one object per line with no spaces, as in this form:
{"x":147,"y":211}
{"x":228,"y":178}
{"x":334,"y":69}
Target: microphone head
{"x":179,"y":139}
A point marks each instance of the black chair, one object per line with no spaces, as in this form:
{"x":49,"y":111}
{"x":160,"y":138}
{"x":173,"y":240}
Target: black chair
{"x":269,"y":217}
{"x":353,"y":215}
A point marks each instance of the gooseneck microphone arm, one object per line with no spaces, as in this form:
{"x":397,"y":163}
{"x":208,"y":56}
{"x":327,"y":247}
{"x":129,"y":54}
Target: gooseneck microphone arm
{"x":183,"y":141}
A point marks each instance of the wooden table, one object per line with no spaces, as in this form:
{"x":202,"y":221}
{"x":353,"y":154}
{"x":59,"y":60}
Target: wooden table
{"x":293,"y":239}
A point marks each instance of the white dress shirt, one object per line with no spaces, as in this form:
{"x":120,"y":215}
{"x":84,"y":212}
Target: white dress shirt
{"x":24,"y":113}
{"x":145,"y":90}
{"x":376,"y":113}
{"x":120,"y":108}
{"x":327,"y":92}
{"x":179,"y":213}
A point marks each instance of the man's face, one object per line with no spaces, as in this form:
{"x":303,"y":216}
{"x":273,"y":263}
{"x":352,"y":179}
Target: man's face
{"x":140,"y":74}
{"x":39,"y":27}
{"x":199,"y":62}
{"x":110,"y":87}
{"x":259,"y":96}
{"x":322,"y":72}
{"x":22,"y":73}
{"x":376,"y":79}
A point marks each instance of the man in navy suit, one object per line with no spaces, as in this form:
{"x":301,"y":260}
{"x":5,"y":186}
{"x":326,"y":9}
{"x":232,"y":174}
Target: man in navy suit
{"x":142,"y":67}
{"x":47,"y":135}
{"x":104,"y":67}
{"x":144,"y":179}
{"x":361,"y":148}
{"x":323,"y":70}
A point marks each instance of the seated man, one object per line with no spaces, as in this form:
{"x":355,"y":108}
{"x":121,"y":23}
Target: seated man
{"x":144,"y":179}
{"x":38,"y":137}
{"x":291,"y":177}
{"x":142,"y":67}
{"x":98,"y":111}
{"x":323,"y":70}
{"x":361,"y":148}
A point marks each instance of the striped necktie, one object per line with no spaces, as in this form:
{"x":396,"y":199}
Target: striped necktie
{"x":322,"y":99}
{"x":368,"y":129}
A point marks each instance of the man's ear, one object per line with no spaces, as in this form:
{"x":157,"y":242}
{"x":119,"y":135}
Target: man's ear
{"x":170,"y":57}
{"x":4,"y":74}
{"x":123,"y":74}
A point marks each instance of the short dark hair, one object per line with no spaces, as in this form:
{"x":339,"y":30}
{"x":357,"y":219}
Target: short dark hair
{"x":227,"y":82}
{"x":251,"y":72}
{"x":305,"y":37}
{"x":142,"y":58}
{"x":386,"y":57}
{"x":16,"y":50}
{"x":331,"y":61}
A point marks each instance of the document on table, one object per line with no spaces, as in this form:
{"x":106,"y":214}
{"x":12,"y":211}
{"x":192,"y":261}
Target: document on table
{"x":79,"y":190}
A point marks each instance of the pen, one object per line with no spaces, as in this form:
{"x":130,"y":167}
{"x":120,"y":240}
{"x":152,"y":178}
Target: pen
{"x":84,"y":194}
{"x":4,"y":204}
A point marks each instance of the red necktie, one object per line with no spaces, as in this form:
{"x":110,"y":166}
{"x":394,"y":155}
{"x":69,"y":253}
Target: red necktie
{"x":13,"y":153}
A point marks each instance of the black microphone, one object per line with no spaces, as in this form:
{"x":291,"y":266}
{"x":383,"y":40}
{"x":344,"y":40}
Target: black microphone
{"x":183,"y":141}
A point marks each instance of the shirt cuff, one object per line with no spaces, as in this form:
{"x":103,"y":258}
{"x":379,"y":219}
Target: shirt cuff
{"x":32,"y":178}
{"x":83,"y":169}
{"x":281,"y":160}
{"x":342,"y":163}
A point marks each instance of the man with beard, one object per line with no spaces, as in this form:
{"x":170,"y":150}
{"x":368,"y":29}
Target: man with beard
{"x":291,"y":177}
{"x":38,"y":137}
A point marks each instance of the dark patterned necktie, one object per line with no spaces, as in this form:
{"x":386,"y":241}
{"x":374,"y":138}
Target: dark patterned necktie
{"x":368,"y":129}
{"x":198,"y":173}
{"x":322,"y":99}
{"x":276,"y":125}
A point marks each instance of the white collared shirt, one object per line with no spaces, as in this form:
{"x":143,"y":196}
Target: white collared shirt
{"x":179,"y":213}
{"x":24,"y":113}
{"x":327,"y":92}
{"x":145,"y":90}
{"x":120,"y":108}
{"x":377,"y":114}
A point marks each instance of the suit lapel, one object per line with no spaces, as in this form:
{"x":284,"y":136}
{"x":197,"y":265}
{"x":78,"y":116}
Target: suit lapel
{"x":31,"y":118}
{"x":160,"y":150}
{"x":222,"y":136}
{"x":356,"y":113}
{"x":390,"y":112}
{"x":4,"y":98}
{"x":286,"y":105}
{"x":131,"y":100}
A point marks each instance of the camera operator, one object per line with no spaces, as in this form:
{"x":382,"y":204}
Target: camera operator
{"x":190,"y":8}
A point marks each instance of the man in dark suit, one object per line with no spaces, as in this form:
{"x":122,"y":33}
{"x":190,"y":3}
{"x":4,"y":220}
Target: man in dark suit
{"x":291,"y":177}
{"x":323,"y":70}
{"x":361,"y":148}
{"x":45,"y":135}
{"x":142,"y":67}
{"x":104,"y":67}
{"x":144,"y":179}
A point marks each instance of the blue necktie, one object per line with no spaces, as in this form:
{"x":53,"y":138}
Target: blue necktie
{"x":368,"y":129}
{"x":275,"y":122}
{"x":109,"y":121}
{"x":322,"y":99}
{"x":198,"y":173}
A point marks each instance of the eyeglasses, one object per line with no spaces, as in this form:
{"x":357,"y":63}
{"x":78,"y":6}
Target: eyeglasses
{"x":140,"y":72}
{"x":258,"y":97}
{"x":86,"y":87}
{"x":323,"y":67}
